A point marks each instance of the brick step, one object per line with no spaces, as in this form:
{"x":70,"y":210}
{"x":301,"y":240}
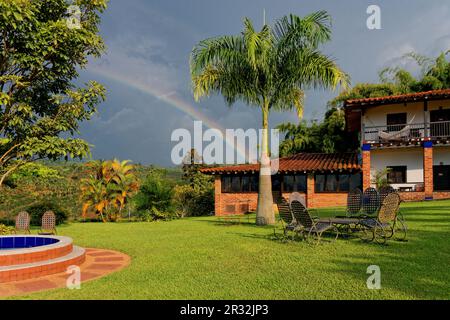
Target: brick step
{"x":42,"y":268}
{"x":35,"y":254}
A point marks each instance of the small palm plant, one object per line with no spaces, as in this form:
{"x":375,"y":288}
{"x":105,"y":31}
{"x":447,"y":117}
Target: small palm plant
{"x":269,"y":69}
{"x":381,"y":179}
{"x":108,"y":189}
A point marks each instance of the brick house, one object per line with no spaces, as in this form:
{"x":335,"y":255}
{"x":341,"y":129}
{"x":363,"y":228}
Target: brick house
{"x":323,"y":179}
{"x":409,"y":134}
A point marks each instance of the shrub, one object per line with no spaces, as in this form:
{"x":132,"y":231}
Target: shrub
{"x":155,"y":193}
{"x":193,"y":200}
{"x":5,"y":230}
{"x":36,"y":211}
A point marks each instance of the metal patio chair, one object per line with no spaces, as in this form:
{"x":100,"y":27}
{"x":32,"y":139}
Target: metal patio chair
{"x":311,"y":229}
{"x":48,"y":225}
{"x":23,"y":223}
{"x":385,"y":225}
{"x":286,"y":219}
{"x":384,"y":192}
{"x":348,"y":223}
{"x":370,"y":201}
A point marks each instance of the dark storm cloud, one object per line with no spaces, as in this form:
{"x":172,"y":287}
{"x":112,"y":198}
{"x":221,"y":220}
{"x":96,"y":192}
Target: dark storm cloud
{"x":149,"y":42}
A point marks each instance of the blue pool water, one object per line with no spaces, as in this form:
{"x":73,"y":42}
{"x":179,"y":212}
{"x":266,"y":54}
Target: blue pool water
{"x":9,"y":243}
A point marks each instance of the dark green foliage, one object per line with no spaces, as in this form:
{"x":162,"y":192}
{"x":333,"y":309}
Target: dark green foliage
{"x":196,"y":197}
{"x":154,"y":199}
{"x":328,"y":136}
{"x":36,"y":211}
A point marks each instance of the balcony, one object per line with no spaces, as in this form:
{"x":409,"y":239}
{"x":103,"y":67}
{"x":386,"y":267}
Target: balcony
{"x":408,"y":133}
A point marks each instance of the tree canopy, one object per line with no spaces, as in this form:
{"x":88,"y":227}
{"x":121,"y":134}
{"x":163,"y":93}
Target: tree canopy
{"x":434,"y":75}
{"x":328,"y":136}
{"x":41,"y":54}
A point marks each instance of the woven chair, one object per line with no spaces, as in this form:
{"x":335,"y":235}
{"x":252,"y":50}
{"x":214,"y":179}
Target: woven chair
{"x":297,"y":196}
{"x":349,"y":223}
{"x":48,"y":225}
{"x":371,"y":201}
{"x":309,"y":228}
{"x":354,"y":204}
{"x":382,"y":227}
{"x":23,"y":223}
{"x":384,"y":192}
{"x":286,"y":219}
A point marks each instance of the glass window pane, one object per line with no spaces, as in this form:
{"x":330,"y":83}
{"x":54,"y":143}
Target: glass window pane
{"x":344,"y":182}
{"x":355,"y":181}
{"x":331,"y":183}
{"x":236,"y":184}
{"x":300,"y":183}
{"x":288,"y":183}
{"x":245,"y":184}
{"x":254,"y":181}
{"x":320,"y":183}
{"x":226,"y":184}
{"x":276,"y":183}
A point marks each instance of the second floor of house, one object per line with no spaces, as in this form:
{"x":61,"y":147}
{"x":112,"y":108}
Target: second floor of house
{"x":404,"y":120}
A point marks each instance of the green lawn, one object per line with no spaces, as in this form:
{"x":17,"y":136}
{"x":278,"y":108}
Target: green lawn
{"x":197,"y":258}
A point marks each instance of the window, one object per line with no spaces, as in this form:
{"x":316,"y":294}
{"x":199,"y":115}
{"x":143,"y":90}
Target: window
{"x":397,"y":174}
{"x":355,"y":181}
{"x":333,"y":182}
{"x":294,"y":183}
{"x":276,"y":183}
{"x":396,"y":121}
{"x":239,"y":184}
{"x":236,"y":184}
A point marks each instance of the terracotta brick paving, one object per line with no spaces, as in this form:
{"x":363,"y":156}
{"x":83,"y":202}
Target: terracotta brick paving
{"x":92,"y":268}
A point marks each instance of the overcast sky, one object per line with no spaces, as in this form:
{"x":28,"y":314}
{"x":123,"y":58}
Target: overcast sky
{"x":146,"y":69}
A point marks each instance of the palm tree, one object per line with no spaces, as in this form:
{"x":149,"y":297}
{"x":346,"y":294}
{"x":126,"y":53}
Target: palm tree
{"x":269,"y":69}
{"x":107,"y":190}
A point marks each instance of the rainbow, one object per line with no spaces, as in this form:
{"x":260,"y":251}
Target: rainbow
{"x":171,"y":99}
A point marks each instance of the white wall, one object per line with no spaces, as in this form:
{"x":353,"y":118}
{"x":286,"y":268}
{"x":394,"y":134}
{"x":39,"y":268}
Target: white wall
{"x":376,"y":116}
{"x":441,"y":155}
{"x":409,"y":157}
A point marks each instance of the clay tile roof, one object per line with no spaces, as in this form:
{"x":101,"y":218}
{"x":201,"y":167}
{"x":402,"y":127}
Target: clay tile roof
{"x":411,"y":97}
{"x":299,"y":163}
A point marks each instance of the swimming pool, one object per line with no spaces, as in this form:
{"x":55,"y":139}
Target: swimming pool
{"x":18,"y":242}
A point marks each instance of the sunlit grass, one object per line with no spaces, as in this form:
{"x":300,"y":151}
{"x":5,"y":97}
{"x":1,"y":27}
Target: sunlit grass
{"x":197,"y":258}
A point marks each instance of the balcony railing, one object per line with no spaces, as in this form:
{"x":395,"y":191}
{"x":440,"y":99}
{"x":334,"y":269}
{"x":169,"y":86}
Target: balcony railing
{"x":408,"y":132}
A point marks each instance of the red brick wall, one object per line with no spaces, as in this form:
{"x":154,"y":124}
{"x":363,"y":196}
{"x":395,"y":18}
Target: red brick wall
{"x":420,"y":196}
{"x":230,"y":203}
{"x":441,"y":195}
{"x":324,"y":200}
{"x":217,"y":194}
{"x":428,"y":171}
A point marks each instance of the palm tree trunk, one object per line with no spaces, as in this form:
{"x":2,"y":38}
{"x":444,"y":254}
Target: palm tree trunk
{"x":264,"y":211}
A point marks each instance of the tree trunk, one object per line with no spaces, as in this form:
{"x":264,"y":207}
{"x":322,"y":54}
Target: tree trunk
{"x":264,"y":211}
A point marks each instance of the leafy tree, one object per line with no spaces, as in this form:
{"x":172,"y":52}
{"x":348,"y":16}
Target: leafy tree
{"x":434,"y":75}
{"x":330,"y":136}
{"x":269,"y":69}
{"x":108,"y":189}
{"x":155,"y":196}
{"x":40,"y":55}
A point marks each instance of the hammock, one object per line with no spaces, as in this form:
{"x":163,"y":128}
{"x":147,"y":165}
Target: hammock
{"x":405,"y":132}
{"x":395,"y":135}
